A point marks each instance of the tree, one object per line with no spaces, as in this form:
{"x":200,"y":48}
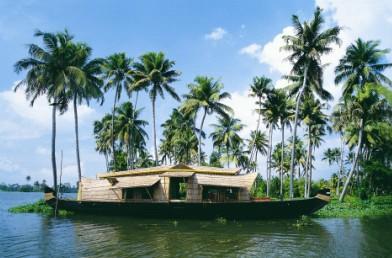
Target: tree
{"x":338,"y":125}
{"x":259,"y":143}
{"x":103,"y":137}
{"x":28,"y":178}
{"x":306,"y":47}
{"x":225,"y":135}
{"x":49,"y":70}
{"x":360,"y":69}
{"x":117,"y":72}
{"x":361,"y":64}
{"x":84,"y":85}
{"x":259,"y":89}
{"x":205,"y":94}
{"x":130,"y":130}
{"x":155,"y":73}
{"x":271,"y":118}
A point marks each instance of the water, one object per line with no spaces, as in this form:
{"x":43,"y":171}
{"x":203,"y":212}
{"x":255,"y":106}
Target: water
{"x":35,"y":235}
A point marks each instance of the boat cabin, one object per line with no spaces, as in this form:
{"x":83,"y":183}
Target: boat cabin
{"x":177,"y":183}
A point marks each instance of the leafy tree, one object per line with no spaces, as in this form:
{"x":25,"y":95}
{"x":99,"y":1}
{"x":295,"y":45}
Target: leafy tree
{"x":49,"y":71}
{"x":306,"y":47}
{"x":205,"y":94}
{"x":117,"y":72}
{"x":155,"y":73}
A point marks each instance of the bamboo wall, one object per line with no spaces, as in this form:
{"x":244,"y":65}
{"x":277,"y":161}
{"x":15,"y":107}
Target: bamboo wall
{"x":99,"y":190}
{"x":194,"y":191}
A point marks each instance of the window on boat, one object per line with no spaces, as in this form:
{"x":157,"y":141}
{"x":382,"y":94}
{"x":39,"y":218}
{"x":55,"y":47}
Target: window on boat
{"x":178,"y":187}
{"x":220,"y":194}
{"x":140,"y":193}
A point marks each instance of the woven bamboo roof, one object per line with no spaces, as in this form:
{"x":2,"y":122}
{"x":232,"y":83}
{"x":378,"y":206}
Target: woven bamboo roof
{"x":177,"y":174}
{"x":138,"y":181}
{"x":241,"y":181}
{"x":172,"y":168}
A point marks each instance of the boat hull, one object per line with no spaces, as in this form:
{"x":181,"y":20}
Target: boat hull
{"x":202,"y":210}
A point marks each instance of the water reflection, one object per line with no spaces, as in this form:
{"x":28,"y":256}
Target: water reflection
{"x":33,"y":235}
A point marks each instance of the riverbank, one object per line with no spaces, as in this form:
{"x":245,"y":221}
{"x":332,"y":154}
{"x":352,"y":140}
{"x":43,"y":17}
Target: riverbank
{"x":354,"y":207}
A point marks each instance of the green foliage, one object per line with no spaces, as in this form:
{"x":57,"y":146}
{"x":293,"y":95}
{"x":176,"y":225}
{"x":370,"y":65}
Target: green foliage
{"x":354,"y":207}
{"x":38,"y":207}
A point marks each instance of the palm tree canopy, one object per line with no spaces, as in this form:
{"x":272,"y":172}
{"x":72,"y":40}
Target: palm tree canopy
{"x":226,"y":132}
{"x":362,"y":63}
{"x":259,"y":141}
{"x":206,"y":93}
{"x":157,"y":72}
{"x":129,"y":126}
{"x":117,"y":70}
{"x":260,"y":87}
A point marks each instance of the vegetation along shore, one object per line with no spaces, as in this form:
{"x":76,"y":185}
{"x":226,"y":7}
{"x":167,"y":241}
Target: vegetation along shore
{"x":64,"y":70}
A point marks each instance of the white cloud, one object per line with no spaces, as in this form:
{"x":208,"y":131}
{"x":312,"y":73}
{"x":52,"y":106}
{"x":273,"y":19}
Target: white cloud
{"x":20,"y":120}
{"x":41,"y":150}
{"x":216,"y":34}
{"x":271,"y":53}
{"x":7,"y":165}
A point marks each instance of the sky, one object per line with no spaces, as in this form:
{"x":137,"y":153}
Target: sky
{"x":232,"y":41}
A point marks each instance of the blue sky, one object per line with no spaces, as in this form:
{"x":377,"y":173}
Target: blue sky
{"x":230,"y":40}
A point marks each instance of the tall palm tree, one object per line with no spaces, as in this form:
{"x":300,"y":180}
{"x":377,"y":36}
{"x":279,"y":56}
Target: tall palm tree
{"x":103,"y":138}
{"x":285,"y":112}
{"x":338,"y":125}
{"x":225,"y":135}
{"x":362,"y":111}
{"x":155,"y":73}
{"x":259,"y":143}
{"x":259,"y":89}
{"x":86,"y":85}
{"x":271,"y":118}
{"x":130,"y":130}
{"x":48,"y":73}
{"x":306,"y":47}
{"x":117,"y":72}
{"x":362,"y":63}
{"x":205,"y":94}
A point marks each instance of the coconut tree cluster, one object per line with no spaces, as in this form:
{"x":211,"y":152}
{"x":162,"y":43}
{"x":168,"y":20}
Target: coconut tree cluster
{"x":63,"y":70}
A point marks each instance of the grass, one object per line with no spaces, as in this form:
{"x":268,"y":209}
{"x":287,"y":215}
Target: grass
{"x":354,"y":207}
{"x":39,"y":207}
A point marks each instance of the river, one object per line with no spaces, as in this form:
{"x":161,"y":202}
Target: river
{"x":34,"y":235}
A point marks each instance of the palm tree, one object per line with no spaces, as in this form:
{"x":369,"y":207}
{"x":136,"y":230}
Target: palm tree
{"x":307,"y":46}
{"x":48,"y":73}
{"x":155,"y":73}
{"x":86,"y":85}
{"x":130,"y":130}
{"x":103,"y":137}
{"x":117,"y":70}
{"x":271,"y":118}
{"x":205,"y":94}
{"x":260,"y":88}
{"x":338,"y":125}
{"x":259,"y":143}
{"x":28,"y":178}
{"x":225,"y":135}
{"x":285,"y":111}
{"x":362,"y":111}
{"x":362,"y":63}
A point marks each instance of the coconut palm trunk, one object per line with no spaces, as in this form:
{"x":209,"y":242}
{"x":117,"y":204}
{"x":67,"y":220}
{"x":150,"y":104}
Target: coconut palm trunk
{"x":154,"y":132}
{"x":282,"y":162}
{"x":75,"y":106}
{"x":341,"y":164}
{"x":112,"y":132}
{"x":307,"y":164}
{"x":54,"y":166}
{"x":201,"y":130}
{"x":269,"y":159}
{"x":310,"y":173}
{"x":253,"y":149}
{"x":358,"y":151}
{"x":292,"y":163}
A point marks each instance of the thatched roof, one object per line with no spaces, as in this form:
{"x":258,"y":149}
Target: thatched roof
{"x":241,"y":181}
{"x":177,"y":174}
{"x":172,"y":168}
{"x":137,"y":181}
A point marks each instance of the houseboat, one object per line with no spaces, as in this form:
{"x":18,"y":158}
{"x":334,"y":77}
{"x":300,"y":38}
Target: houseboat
{"x":181,"y":191}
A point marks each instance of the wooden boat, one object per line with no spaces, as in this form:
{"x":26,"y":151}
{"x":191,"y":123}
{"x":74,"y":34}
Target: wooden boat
{"x":181,"y":191}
